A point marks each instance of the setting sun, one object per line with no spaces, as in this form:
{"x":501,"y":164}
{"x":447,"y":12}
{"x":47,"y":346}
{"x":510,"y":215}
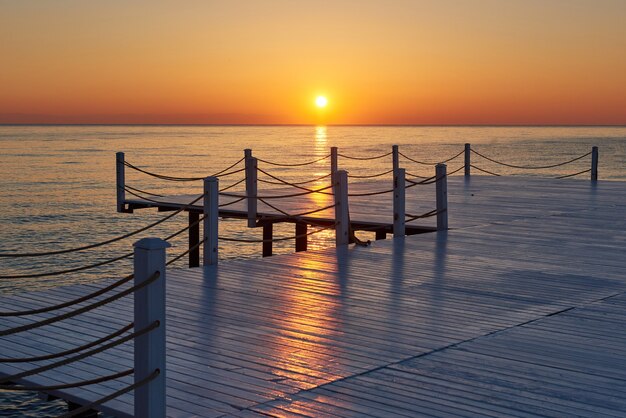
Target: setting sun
{"x":321,"y":101}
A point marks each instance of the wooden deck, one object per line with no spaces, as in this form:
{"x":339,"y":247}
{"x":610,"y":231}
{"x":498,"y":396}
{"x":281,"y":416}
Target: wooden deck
{"x":517,"y":311}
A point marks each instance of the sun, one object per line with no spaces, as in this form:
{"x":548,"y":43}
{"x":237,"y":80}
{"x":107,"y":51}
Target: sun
{"x":321,"y":101}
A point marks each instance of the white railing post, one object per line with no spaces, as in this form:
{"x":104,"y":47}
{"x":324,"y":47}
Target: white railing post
{"x":594,"y":163}
{"x":333,"y":160}
{"x":120,"y":180}
{"x":149,"y":307}
{"x":342,"y":217}
{"x":211,"y":214}
{"x":399,"y":191}
{"x":251,"y":187}
{"x":468,"y":160}
{"x":395,"y":158}
{"x":441,"y":179}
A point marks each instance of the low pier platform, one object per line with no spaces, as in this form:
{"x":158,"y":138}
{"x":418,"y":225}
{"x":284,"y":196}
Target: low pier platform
{"x":517,"y":310}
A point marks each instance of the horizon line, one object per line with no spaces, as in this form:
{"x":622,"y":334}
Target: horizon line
{"x":478,"y":125}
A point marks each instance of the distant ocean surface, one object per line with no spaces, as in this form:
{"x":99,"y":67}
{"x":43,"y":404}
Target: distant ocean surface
{"x":58,"y":184}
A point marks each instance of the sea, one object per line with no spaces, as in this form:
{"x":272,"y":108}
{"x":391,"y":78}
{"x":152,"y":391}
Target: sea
{"x":58,"y":186}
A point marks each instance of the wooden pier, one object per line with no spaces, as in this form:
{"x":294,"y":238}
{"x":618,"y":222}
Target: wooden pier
{"x":517,"y":310}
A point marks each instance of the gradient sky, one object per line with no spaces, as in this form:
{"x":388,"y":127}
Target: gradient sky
{"x":378,"y":62}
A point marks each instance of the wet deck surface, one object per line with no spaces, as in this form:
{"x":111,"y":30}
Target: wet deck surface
{"x":518,"y":311}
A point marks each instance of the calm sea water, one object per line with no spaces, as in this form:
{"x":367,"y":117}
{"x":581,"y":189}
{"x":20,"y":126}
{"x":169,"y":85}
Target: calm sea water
{"x":58,"y":184}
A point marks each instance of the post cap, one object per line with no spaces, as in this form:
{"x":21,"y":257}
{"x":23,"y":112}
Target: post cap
{"x":152,"y":244}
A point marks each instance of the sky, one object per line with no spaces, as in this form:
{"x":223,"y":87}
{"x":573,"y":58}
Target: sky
{"x":455,"y":62}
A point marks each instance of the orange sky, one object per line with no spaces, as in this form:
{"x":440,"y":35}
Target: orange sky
{"x":378,"y":62}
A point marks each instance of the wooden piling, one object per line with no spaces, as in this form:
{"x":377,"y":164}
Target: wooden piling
{"x":251,"y":187}
{"x":333,"y":160}
{"x":468,"y":160}
{"x":395,"y":157}
{"x":399,"y":191}
{"x":268,"y":235}
{"x":594,"y":163}
{"x":342,"y":217}
{"x":149,"y":306}
{"x":301,"y":238}
{"x":120,"y":180}
{"x":442,"y":197}
{"x":194,"y":239}
{"x":211,"y":213}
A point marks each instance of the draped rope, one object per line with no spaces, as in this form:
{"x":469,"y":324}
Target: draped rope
{"x":80,"y":356}
{"x":109,"y":241}
{"x":364,"y":158}
{"x":71,"y":350}
{"x":538,"y":167}
{"x":221,"y":173}
{"x":79,"y":311}
{"x":113,"y":395}
{"x":293,"y":165}
{"x":431,"y":163}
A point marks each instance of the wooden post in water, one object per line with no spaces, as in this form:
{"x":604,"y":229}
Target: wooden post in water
{"x":301,"y":238}
{"x":441,"y":179}
{"x":120,"y":180}
{"x":395,"y":158}
{"x":211,"y":214}
{"x":594,"y":163}
{"x":251,"y":187}
{"x":468,"y":160}
{"x":342,"y":217}
{"x":399,"y":191}
{"x":333,"y":160}
{"x":268,"y":234}
{"x":149,"y":352}
{"x":194,"y":239}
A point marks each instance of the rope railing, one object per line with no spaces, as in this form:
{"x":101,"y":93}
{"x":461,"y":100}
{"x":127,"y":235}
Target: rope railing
{"x":81,"y":310}
{"x":287,"y":183}
{"x":69,"y":385}
{"x":575,"y":174}
{"x":433,"y":179}
{"x":221,"y":173}
{"x":431,"y":213}
{"x":538,"y":167}
{"x":296,"y":182}
{"x":309,"y":191}
{"x":71,"y":350}
{"x":80,"y":356}
{"x":109,"y":241}
{"x":485,"y":171}
{"x":293,"y":164}
{"x":370,"y":176}
{"x":118,"y":393}
{"x":143,"y":191}
{"x":190,"y":249}
{"x":429,"y":162}
{"x":298,"y":215}
{"x":349,"y":157}
{"x":66,"y":271}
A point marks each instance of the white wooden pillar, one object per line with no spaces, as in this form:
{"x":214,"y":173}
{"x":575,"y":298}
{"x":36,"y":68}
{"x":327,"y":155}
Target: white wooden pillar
{"x":211,"y":214}
{"x":442,"y":197}
{"x":399,"y":190}
{"x":120,"y":180}
{"x":594,"y":163}
{"x":149,"y":307}
{"x":468,"y":160}
{"x":342,"y":217}
{"x":251,"y":187}
{"x":333,"y":160}
{"x":395,"y":158}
